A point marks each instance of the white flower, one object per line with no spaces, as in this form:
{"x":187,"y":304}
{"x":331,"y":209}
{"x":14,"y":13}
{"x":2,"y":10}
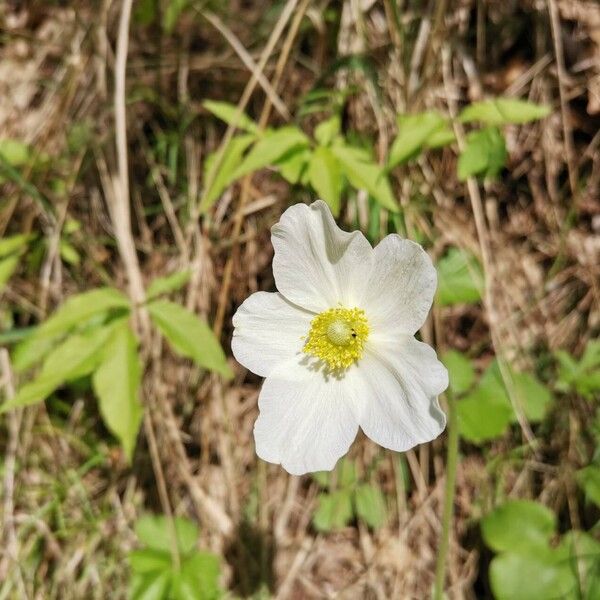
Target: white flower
{"x":336,"y":344}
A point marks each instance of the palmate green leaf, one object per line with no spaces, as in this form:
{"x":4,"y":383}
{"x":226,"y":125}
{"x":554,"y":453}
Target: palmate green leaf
{"x":149,"y":560}
{"x":519,"y":526}
{"x":370,"y":505}
{"x":460,"y":278}
{"x":416,"y":132}
{"x":169,"y":283}
{"x":270,"y":148}
{"x":189,"y":335}
{"x":224,"y":176}
{"x":76,"y":357}
{"x":460,"y":370}
{"x":231,"y":115}
{"x":502,"y":111}
{"x":364,"y":174}
{"x":116,"y":383}
{"x":484,"y":154}
{"x":153,"y":531}
{"x":325,"y":176}
{"x":345,"y":472}
{"x":8,"y":266}
{"x":334,"y":510}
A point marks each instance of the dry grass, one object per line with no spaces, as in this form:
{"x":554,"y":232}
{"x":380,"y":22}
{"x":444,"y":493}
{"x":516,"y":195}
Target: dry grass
{"x":74,"y":499}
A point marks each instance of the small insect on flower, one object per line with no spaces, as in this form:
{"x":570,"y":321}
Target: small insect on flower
{"x":336,"y":344}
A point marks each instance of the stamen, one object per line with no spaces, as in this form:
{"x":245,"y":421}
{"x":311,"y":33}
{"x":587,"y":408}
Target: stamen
{"x":337,"y":337}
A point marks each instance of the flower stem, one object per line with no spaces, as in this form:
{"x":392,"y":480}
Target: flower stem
{"x":451,"y":463}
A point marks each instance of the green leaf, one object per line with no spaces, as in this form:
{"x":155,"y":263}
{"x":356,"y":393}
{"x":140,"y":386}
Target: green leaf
{"x":502,"y":111}
{"x":189,"y":335}
{"x":533,"y":396}
{"x":270,"y":148}
{"x":519,"y":526}
{"x":413,"y":133}
{"x":8,"y":266}
{"x":484,"y":154}
{"x":461,"y":371}
{"x":326,"y":178}
{"x":14,"y":243}
{"x":173,"y":11}
{"x":327,"y":130}
{"x":14,"y":152}
{"x":363,"y":174}
{"x":292,"y":165}
{"x":219,"y":181}
{"x":346,"y":473}
{"x":199,"y":578}
{"x":334,"y":510}
{"x":149,"y":560}
{"x":153,"y":531}
{"x":169,"y":283}
{"x":117,"y":384}
{"x":77,"y":356}
{"x":68,"y":253}
{"x":80,"y":308}
{"x":370,"y":505}
{"x":531,"y":577}
{"x":460,"y":278}
{"x":231,"y":115}
{"x":480,"y":419}
{"x":583,"y":376}
{"x":589,"y":480}
{"x":322,"y":478}
{"x":153,"y":586}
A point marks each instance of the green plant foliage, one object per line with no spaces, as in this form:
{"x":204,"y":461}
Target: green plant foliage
{"x":294,"y":164}
{"x":166,"y":285}
{"x":189,"y":335}
{"x":486,"y":412}
{"x":224,"y":176}
{"x":173,"y":10}
{"x":583,"y":375}
{"x":415,"y":132}
{"x":518,"y":525}
{"x":484,"y":154}
{"x":588,"y":479}
{"x":76,"y":357}
{"x":328,"y":130}
{"x":346,"y":498}
{"x":231,"y":115}
{"x":14,"y":152}
{"x":527,"y":566}
{"x":460,"y":370}
{"x":504,"y":111}
{"x":370,"y":505}
{"x":334,"y":510}
{"x":325,"y":177}
{"x":11,"y":249}
{"x":270,"y":147}
{"x":116,"y":383}
{"x":364,"y":174}
{"x":155,"y":575}
{"x":460,"y":278}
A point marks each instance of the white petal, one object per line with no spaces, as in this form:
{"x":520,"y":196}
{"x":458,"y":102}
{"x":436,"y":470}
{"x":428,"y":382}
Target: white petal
{"x":306,"y":422}
{"x":268,"y":331}
{"x":401,"y":287}
{"x":397,"y":388}
{"x":316,"y":264}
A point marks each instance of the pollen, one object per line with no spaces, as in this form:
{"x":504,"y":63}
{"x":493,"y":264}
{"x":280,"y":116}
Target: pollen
{"x":337,"y":337}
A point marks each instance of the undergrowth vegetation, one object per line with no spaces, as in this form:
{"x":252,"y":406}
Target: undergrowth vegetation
{"x":145,"y":151}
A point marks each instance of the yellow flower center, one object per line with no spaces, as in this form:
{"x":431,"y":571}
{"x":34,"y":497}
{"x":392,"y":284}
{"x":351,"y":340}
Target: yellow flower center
{"x":337,"y":337}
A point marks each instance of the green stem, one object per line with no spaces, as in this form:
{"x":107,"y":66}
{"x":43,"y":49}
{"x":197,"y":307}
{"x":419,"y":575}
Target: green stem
{"x":451,"y":462}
